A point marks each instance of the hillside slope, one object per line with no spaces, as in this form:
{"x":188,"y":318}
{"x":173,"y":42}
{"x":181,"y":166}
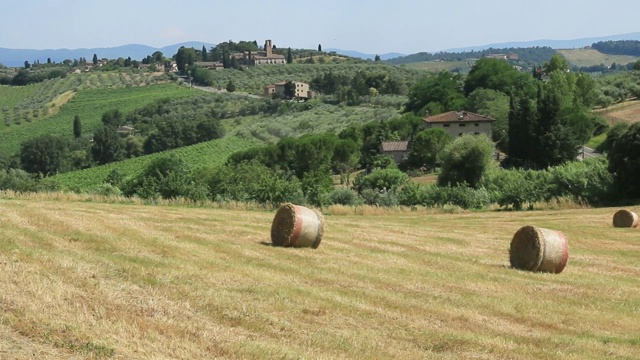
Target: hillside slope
{"x":93,"y":280}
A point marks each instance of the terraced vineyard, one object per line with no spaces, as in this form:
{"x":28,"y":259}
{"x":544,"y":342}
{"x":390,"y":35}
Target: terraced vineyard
{"x":89,"y":105}
{"x":211,"y":153}
{"x":25,"y":104}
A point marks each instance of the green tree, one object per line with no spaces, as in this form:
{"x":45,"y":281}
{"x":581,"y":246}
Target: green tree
{"x":168,"y":177}
{"x":95,"y":59}
{"x":613,"y":134}
{"x":636,"y":65}
{"x":556,"y":63}
{"x":313,"y":152}
{"x":107,"y":145}
{"x":377,"y":58}
{"x":492,"y":74}
{"x":289,"y":90}
{"x":44,"y":155}
{"x":209,"y":129}
{"x":319,"y":48}
{"x":466,"y":160}
{"x":204,"y":53}
{"x":289,"y":56}
{"x":231,"y":87}
{"x":624,"y":162}
{"x":77,"y":127}
{"x":428,"y":146}
{"x":133,"y":147}
{"x":494,"y":104}
{"x":113,"y":118}
{"x":437,"y":94}
{"x":185,"y":58}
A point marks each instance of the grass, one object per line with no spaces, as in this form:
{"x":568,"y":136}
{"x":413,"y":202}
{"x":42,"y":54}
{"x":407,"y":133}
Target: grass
{"x":437,"y":66}
{"x":89,"y":105}
{"x":591,"y":57}
{"x":595,"y":141}
{"x":97,"y":280}
{"x":628,"y":111}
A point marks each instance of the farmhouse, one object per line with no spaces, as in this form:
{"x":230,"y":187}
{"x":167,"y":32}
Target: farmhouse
{"x":266,"y":57}
{"x":300,"y":89}
{"x":398,"y":150}
{"x":458,"y":123}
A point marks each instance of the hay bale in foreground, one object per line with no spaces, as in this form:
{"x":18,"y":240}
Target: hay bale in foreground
{"x":539,"y":249}
{"x":297,"y":226}
{"x":625,"y":219}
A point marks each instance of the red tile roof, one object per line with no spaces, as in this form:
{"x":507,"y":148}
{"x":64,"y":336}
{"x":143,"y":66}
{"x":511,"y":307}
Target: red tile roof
{"x":395,"y":146}
{"x":457,"y":116}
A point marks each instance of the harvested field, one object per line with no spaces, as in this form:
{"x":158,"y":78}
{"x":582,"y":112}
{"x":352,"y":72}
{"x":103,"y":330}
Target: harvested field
{"x":97,"y":280}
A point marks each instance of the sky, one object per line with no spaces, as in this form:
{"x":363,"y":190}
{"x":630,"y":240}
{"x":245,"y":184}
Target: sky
{"x":373,"y":26}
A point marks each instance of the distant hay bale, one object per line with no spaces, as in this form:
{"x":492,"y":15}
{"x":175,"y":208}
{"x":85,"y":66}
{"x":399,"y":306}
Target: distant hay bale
{"x":538,"y":249}
{"x":297,"y":226}
{"x":625,"y":219}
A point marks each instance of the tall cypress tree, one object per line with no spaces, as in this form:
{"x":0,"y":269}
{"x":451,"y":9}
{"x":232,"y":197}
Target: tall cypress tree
{"x":289,"y":56}
{"x":77,"y":127}
{"x":204,"y":53}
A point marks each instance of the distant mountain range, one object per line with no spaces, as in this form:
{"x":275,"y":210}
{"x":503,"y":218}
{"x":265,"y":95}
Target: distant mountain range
{"x":357,"y":54}
{"x":554,"y":44}
{"x":17,"y":57}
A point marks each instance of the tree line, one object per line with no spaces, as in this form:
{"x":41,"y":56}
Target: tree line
{"x":533,"y":55}
{"x":618,"y":47}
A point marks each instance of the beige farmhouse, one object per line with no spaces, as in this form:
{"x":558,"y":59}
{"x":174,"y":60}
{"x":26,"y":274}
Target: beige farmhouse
{"x":301,"y":90}
{"x":458,"y":123}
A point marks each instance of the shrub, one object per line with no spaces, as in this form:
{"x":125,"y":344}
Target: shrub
{"x":465,"y":160}
{"x":344,"y":196}
{"x":18,"y":180}
{"x":381,"y":179}
{"x":167,"y":177}
{"x":253,"y":181}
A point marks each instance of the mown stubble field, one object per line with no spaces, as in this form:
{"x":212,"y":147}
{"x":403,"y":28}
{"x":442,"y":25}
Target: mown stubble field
{"x":103,"y":280}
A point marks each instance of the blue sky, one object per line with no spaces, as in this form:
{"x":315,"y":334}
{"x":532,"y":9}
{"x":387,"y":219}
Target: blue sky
{"x":375,"y":26}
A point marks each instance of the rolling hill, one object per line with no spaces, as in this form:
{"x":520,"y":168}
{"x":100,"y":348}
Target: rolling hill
{"x":17,"y":57}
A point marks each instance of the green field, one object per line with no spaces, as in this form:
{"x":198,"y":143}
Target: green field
{"x":11,"y":96}
{"x":591,"y":57}
{"x":89,"y":105}
{"x":209,"y":154}
{"x":25,"y":104}
{"x":437,"y":66}
{"x":84,"y":280}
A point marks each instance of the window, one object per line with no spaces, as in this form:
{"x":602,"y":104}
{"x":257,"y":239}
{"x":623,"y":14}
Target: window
{"x":477,"y":133}
{"x":476,"y":124}
{"x":445,"y":125}
{"x":460,"y":134}
{"x":462,"y":125}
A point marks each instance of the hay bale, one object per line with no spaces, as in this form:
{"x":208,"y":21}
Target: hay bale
{"x":297,"y":226}
{"x":538,"y":249}
{"x":625,"y":219}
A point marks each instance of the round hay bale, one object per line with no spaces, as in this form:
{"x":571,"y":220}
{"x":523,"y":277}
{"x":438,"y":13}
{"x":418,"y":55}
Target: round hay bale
{"x":297,"y":226}
{"x":625,"y":219}
{"x":538,"y":249}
